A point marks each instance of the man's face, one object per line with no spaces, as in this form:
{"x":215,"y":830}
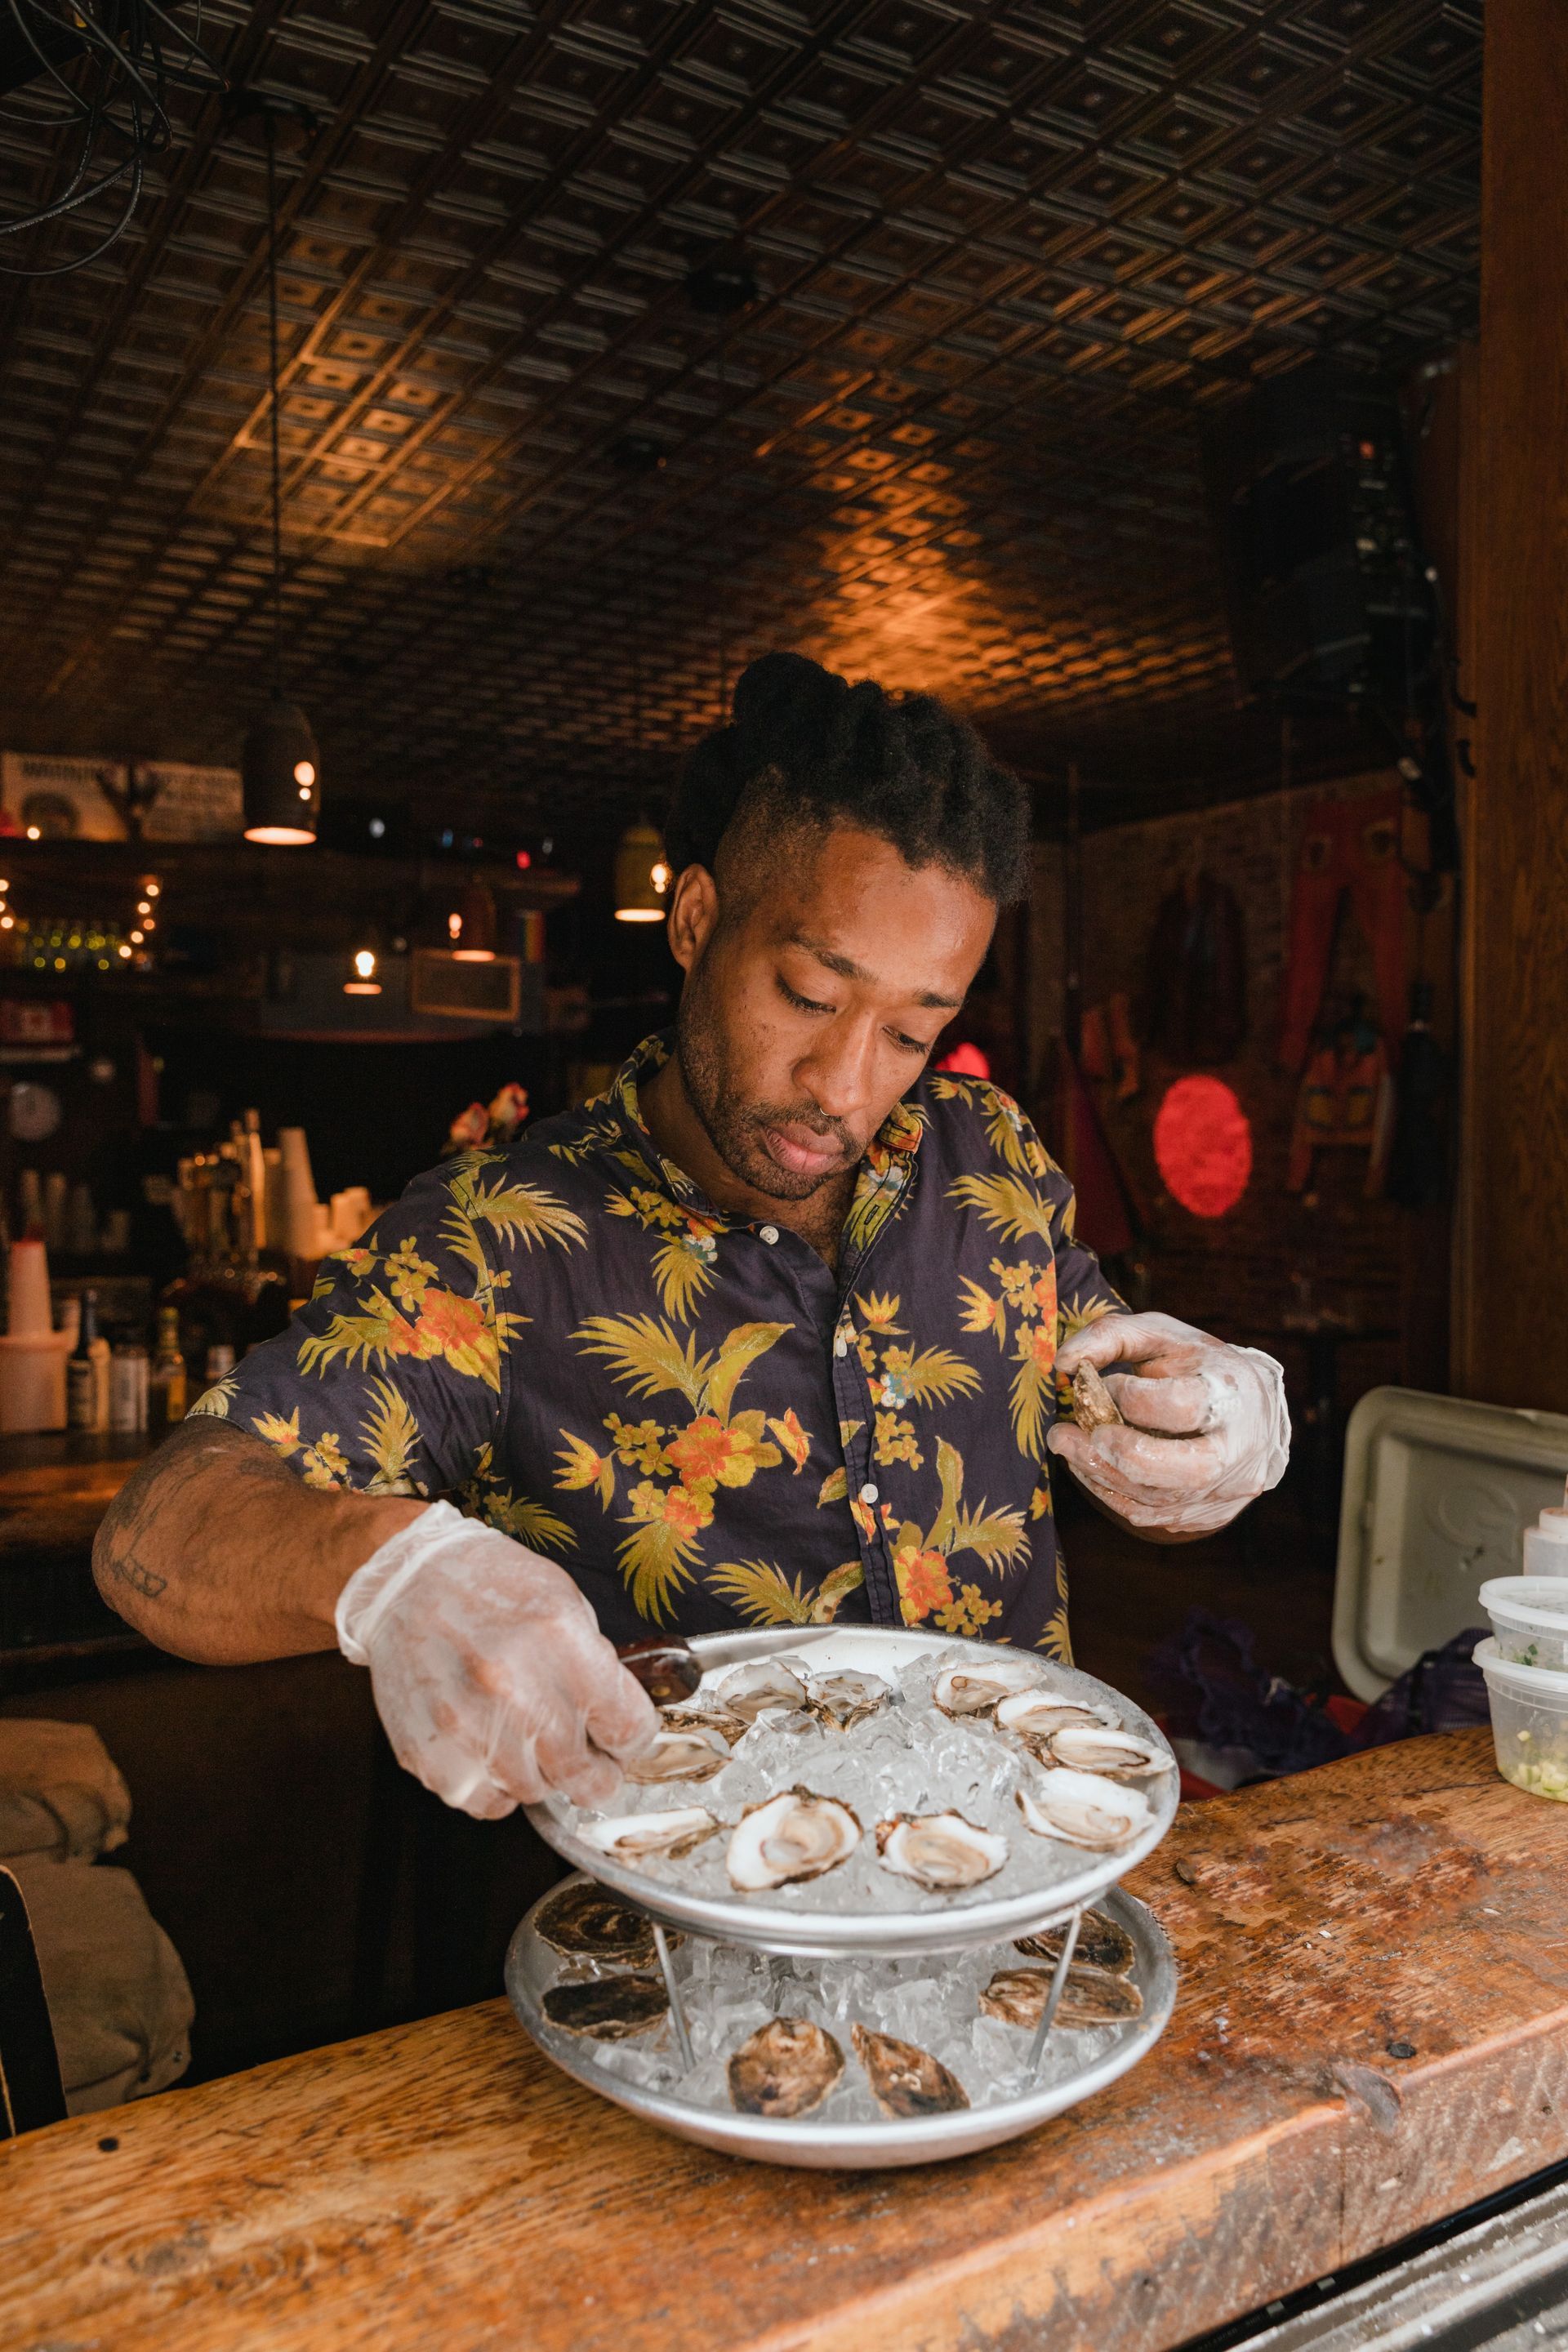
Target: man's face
{"x":806,"y":1017}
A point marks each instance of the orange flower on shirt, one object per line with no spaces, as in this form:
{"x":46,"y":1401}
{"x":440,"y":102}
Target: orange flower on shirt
{"x":924,"y":1583}
{"x":686,"y":1510}
{"x":456,"y":1329}
{"x":730,"y":1452}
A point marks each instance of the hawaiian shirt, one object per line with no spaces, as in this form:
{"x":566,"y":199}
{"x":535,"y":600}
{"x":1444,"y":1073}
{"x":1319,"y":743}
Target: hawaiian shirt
{"x":691,"y":1412}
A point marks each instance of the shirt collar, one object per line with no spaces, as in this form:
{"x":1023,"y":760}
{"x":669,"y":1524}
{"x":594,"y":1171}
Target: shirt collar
{"x":883,"y":1175}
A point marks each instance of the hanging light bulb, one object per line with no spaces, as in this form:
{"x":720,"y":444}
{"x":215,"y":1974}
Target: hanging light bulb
{"x":471,"y":927}
{"x":642,"y":875}
{"x":280,"y":764}
{"x":364,"y":982}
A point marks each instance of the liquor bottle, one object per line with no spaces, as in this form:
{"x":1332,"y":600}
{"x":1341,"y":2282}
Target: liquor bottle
{"x":167,"y":1402}
{"x":81,"y":1370}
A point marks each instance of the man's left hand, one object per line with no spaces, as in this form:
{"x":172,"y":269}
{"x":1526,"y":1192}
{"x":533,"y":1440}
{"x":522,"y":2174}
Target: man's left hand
{"x":1206,"y":1429}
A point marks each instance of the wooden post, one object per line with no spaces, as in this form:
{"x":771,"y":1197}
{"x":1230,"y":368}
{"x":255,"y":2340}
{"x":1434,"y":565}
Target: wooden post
{"x":1511,"y":1324}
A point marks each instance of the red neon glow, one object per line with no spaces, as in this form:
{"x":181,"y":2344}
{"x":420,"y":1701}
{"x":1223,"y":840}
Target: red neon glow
{"x":1202,"y":1143}
{"x":524,"y":860}
{"x":965,"y":1061}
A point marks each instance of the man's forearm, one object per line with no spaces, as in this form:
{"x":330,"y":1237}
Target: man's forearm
{"x":215,"y":1550}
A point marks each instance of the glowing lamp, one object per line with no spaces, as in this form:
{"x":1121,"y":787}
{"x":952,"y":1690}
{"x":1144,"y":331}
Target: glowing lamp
{"x":280,"y":767}
{"x":472,"y":928}
{"x":1203,"y":1144}
{"x":642,"y":875}
{"x":364,"y":982}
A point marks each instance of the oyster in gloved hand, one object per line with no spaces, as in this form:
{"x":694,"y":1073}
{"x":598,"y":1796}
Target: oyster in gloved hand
{"x":787,"y":2067}
{"x":906,"y":2081}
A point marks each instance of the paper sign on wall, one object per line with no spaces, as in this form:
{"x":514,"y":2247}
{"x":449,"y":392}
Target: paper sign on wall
{"x":185,"y":803}
{"x":65,"y":800}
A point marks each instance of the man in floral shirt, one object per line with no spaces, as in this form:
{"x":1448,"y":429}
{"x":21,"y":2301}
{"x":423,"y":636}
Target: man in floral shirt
{"x":770,"y":1334}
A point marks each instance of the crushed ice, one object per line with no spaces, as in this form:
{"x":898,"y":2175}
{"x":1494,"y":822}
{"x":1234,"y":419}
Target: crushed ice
{"x":907,"y":1757}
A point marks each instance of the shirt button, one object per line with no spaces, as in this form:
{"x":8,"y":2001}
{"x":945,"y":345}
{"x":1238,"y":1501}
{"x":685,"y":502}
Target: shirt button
{"x":769,"y":1234}
{"x":868,"y":1492}
{"x":841,"y":1346}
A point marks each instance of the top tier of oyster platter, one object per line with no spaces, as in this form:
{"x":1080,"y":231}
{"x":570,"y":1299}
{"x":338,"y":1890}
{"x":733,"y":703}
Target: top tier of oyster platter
{"x":858,"y":1790}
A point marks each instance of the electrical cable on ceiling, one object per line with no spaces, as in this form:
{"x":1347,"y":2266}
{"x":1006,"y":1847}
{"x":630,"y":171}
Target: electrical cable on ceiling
{"x":105,"y":72}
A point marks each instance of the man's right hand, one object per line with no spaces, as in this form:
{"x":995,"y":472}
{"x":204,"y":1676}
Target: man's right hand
{"x":491,"y":1674}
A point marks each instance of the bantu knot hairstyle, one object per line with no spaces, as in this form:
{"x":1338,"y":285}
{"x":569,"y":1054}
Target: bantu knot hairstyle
{"x":804,"y":744}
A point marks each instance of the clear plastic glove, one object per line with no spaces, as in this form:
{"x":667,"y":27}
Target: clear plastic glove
{"x":1207,"y":1429}
{"x":488,"y":1668}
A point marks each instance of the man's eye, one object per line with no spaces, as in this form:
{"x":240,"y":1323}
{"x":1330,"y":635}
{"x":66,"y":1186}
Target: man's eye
{"x":909,"y":1045}
{"x":802,"y":1003}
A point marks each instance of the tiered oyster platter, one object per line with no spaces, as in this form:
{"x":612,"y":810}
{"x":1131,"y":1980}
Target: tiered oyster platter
{"x":860,"y":1907}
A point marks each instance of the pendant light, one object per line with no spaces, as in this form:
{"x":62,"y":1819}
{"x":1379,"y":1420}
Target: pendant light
{"x":279,"y":763}
{"x":472,"y":928}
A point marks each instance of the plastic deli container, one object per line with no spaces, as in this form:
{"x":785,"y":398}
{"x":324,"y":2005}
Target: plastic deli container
{"x":1530,"y":1619}
{"x":1529,"y":1722}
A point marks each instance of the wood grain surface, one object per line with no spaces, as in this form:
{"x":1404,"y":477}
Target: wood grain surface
{"x":442,"y":2186}
{"x":1511,"y":1318}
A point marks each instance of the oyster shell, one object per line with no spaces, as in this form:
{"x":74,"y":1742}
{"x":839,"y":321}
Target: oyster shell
{"x":729,"y":1728}
{"x":1090,"y":1996}
{"x":1101,"y":1944}
{"x":587,"y":1922}
{"x":1102,"y":1747}
{"x":848,"y":1699}
{"x":640,"y":1837}
{"x":940,"y":1852}
{"x":1036,"y":1715}
{"x":788,"y":1838}
{"x":764,"y":1683}
{"x":1083,"y":1808}
{"x":786,"y":2067}
{"x":608,"y":2008}
{"x":680,"y":1754}
{"x":976,"y":1689}
{"x":906,"y":2081}
{"x":1093,"y":1406}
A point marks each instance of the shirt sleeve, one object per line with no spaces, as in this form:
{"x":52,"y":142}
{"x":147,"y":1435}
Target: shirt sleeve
{"x":390,"y":1379}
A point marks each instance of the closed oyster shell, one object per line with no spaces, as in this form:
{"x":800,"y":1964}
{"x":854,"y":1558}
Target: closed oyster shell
{"x":606,"y":2009}
{"x":976,"y":1688}
{"x":686,"y":1753}
{"x":906,"y":2081}
{"x":790,"y":1837}
{"x":1083,"y":1808}
{"x":940,"y":1852}
{"x":1090,"y":1996}
{"x":1093,"y":1406}
{"x":641,"y":1837}
{"x":587,"y":1922}
{"x":1099,"y":1748}
{"x":1101,"y":1944}
{"x":786,"y":2067}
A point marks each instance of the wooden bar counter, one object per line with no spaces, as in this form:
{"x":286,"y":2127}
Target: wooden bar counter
{"x":1372,"y":2032}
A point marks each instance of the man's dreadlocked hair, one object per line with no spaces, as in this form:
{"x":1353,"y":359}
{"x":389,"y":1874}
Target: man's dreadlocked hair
{"x":803,"y":745}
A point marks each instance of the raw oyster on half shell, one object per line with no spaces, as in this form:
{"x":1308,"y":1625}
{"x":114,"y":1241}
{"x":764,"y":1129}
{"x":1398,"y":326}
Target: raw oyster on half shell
{"x":1037,"y":1716}
{"x":752,"y":1689}
{"x":1083,"y":1808}
{"x":587,"y":1922}
{"x":1101,"y":1944}
{"x":679,"y":1754}
{"x":1090,"y":1996}
{"x":607,"y":2009}
{"x":977,"y":1688}
{"x":940,"y":1852}
{"x":906,"y":2081}
{"x":644,"y":1837}
{"x":787,"y":2067}
{"x":846,"y":1699}
{"x":729,"y":1727}
{"x":793,"y":1836}
{"x":1100,"y":1747}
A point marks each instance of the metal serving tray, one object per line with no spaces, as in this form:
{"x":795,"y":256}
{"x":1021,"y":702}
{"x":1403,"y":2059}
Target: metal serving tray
{"x":1067,"y":1879}
{"x":532,"y":1965}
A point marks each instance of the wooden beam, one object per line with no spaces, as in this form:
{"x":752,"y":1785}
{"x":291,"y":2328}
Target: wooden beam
{"x":1510,"y":1327}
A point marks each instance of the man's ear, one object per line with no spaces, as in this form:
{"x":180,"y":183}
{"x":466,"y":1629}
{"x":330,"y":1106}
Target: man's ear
{"x":693,"y":914}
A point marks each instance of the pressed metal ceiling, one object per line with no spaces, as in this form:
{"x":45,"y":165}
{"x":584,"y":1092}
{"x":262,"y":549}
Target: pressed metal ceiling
{"x":1008,"y":256}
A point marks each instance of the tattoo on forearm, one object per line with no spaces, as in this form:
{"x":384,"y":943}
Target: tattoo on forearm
{"x":131,"y":1571}
{"x":157,"y":1492}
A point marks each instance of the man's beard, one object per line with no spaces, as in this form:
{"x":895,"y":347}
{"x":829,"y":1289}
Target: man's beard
{"x":734,"y":1126}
